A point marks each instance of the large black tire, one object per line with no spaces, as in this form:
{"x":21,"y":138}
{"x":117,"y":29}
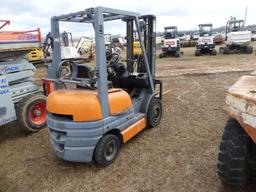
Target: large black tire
{"x":221,"y":50}
{"x":177,"y":54}
{"x":154,"y":113}
{"x":234,"y":155}
{"x":161,"y":55}
{"x":107,"y":150}
{"x":197,"y":53}
{"x":214,"y":52}
{"x":226,"y":50}
{"x":31,"y":113}
{"x":249,"y":49}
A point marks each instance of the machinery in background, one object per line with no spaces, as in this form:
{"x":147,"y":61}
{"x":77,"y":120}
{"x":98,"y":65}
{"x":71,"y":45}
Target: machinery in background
{"x":218,"y":39}
{"x":253,"y":35}
{"x":118,"y":42}
{"x":68,"y":50}
{"x":36,"y":54}
{"x":237,"y":39}
{"x":206,"y":42}
{"x":237,"y":152}
{"x":84,"y":49}
{"x":108,"y":40}
{"x":21,"y":99}
{"x":195,"y":36}
{"x":108,"y":105}
{"x":170,"y":43}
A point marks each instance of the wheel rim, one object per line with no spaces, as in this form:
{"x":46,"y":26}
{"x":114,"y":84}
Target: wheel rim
{"x":111,"y":150}
{"x":37,"y":113}
{"x":156,"y":113}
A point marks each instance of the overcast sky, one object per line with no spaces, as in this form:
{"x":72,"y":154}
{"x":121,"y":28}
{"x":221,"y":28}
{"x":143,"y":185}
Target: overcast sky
{"x":186,"y":14}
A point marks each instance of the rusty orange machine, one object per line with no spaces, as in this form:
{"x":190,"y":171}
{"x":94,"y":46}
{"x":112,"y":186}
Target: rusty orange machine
{"x":108,"y":105}
{"x":237,"y":154}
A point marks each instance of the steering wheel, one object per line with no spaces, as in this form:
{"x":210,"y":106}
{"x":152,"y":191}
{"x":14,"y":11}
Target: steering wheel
{"x":113,"y":59}
{"x":65,"y":69}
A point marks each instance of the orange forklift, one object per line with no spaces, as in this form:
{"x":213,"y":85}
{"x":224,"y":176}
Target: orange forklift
{"x":96,"y":110}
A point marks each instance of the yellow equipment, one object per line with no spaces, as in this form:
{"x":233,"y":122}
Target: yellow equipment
{"x":136,"y":48}
{"x":35,"y":55}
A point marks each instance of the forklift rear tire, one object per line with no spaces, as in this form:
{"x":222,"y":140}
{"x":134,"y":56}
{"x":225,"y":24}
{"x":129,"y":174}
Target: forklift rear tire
{"x":31,"y":112}
{"x":234,"y":155}
{"x":106,"y":150}
{"x":154,"y":113}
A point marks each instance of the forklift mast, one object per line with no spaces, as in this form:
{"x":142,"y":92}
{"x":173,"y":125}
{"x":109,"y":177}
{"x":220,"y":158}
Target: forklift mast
{"x":149,"y":36}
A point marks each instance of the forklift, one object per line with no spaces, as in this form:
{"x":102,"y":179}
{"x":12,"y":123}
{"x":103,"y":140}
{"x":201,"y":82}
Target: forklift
{"x":170,"y":43}
{"x":100,"y":109}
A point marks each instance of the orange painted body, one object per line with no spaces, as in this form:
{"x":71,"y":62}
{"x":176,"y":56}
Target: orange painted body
{"x":134,"y":129}
{"x":250,"y":130}
{"x":84,"y":105}
{"x":241,"y":103}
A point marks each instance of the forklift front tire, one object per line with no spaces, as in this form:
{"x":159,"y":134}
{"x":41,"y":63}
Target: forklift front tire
{"x":154,"y":113}
{"x":31,"y":113}
{"x":106,"y":150}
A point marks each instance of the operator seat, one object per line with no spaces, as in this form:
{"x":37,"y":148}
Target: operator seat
{"x":83,"y":71}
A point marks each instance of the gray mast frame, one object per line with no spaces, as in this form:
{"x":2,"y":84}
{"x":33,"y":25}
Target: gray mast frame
{"x":97,"y":16}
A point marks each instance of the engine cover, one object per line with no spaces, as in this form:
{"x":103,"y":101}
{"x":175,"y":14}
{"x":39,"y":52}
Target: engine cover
{"x":84,"y":105}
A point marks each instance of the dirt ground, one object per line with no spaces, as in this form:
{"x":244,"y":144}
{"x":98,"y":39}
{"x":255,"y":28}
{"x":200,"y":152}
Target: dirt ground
{"x":178,"y":155}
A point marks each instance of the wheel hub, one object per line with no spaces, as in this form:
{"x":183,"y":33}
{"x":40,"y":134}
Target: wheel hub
{"x":111,"y":150}
{"x":37,"y":113}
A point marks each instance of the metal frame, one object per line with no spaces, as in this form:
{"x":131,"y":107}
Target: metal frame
{"x":241,"y":25}
{"x":175,"y":30}
{"x":205,"y":25}
{"x":97,"y":16}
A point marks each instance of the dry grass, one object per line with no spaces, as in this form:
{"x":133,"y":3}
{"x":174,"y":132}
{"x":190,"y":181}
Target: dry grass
{"x":179,"y":155}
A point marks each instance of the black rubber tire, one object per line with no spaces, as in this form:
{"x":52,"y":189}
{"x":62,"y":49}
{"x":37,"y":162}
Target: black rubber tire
{"x":22,"y":110}
{"x":177,"y":54}
{"x":226,"y":50}
{"x":221,"y":50}
{"x":161,"y":55}
{"x":234,"y":155}
{"x":197,"y":53}
{"x":101,"y":147}
{"x":154,"y":113}
{"x":249,"y":49}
